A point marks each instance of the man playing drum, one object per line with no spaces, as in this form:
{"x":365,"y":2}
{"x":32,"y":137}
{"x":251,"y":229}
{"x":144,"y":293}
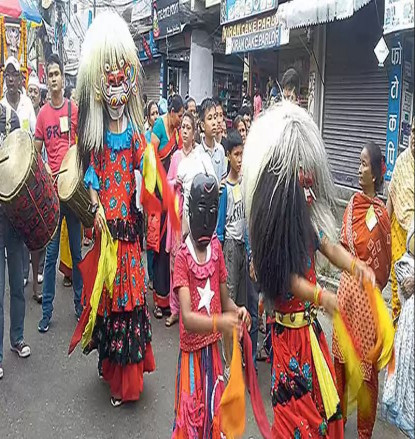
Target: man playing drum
{"x":22,"y":105}
{"x":56,"y":126}
{"x":13,"y":242}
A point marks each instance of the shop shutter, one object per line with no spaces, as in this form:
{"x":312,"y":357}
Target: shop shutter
{"x":151,"y":83}
{"x":355,"y":111}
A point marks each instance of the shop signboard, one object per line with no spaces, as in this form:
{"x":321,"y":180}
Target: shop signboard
{"x":233,"y":10}
{"x":394,"y":107}
{"x":399,"y":15}
{"x":167,"y":18}
{"x":259,"y":33}
{"x":407,"y":93}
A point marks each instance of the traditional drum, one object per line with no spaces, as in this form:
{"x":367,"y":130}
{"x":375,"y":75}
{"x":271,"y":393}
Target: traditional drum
{"x":71,"y":188}
{"x":27,"y":194}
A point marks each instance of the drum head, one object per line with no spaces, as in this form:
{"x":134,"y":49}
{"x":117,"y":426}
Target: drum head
{"x":16,"y":156}
{"x":70,"y":175}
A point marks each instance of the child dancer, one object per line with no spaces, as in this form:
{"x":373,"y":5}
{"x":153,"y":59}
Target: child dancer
{"x":206,"y":311}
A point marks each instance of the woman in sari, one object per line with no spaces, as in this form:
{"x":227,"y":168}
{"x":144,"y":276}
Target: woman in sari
{"x":401,"y":211}
{"x":174,"y":240}
{"x":165,"y":137}
{"x":152,"y":112}
{"x":398,"y":402}
{"x":366,"y":234}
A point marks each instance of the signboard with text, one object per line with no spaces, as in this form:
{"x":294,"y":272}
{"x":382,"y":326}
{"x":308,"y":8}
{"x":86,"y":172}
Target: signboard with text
{"x":259,"y":33}
{"x":394,"y":107}
{"x":167,"y":18}
{"x":233,"y":10}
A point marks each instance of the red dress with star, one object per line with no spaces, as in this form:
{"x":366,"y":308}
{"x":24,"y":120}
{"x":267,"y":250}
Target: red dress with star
{"x":122,"y":333}
{"x":199,"y":382}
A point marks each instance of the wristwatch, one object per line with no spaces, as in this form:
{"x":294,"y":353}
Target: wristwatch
{"x":93,"y":208}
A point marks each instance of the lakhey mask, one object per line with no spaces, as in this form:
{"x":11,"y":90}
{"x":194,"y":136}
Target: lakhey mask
{"x":118,"y":81}
{"x":203,"y":208}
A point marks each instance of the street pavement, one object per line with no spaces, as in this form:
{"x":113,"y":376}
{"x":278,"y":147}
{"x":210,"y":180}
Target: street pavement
{"x":51,"y":395}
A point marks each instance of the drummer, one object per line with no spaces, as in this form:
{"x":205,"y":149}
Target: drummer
{"x":23,"y":106}
{"x":13,"y":243}
{"x":56,"y":127}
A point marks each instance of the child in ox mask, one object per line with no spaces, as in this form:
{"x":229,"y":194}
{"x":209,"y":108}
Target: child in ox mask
{"x":206,"y":312}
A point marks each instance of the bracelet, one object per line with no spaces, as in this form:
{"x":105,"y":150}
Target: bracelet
{"x":215,"y":329}
{"x":353,"y":266}
{"x":318,"y":292}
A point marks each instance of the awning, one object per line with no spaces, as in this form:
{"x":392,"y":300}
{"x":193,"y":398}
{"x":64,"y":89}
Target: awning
{"x":299,"y":13}
{"x":26,"y":9}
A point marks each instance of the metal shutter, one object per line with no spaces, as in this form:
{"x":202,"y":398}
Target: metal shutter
{"x":151,"y":83}
{"x":355,"y":111}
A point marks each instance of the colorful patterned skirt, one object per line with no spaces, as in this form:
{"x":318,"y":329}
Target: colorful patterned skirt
{"x":297,"y":400}
{"x":199,"y":388}
{"x":122,"y":332}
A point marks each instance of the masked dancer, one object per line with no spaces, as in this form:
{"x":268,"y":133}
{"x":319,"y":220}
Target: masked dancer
{"x":116,"y":319}
{"x":289,"y":195}
{"x":206,"y":311}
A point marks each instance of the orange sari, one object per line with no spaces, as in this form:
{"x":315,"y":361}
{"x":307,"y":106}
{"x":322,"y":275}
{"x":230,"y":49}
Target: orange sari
{"x":373,"y":247}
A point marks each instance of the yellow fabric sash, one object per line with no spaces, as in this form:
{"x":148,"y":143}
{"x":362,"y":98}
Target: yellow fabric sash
{"x":107,"y":268}
{"x":328,"y":389}
{"x":293,"y":320}
{"x":354,"y":376}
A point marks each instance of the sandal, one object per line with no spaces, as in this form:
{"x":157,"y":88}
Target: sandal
{"x":157,"y":312}
{"x":262,"y":355}
{"x":37,"y":296}
{"x":261,"y":326}
{"x":115,"y":402}
{"x":67,"y":282}
{"x":171,"y":320}
{"x":87,"y":242}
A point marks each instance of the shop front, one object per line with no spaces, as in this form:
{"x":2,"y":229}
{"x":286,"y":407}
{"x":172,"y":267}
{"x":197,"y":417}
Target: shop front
{"x":365,"y":100}
{"x":227,"y":78}
{"x":257,"y":42}
{"x":169,"y":21}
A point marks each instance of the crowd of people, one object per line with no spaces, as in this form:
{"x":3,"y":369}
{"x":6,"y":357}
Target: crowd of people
{"x":228,"y":215}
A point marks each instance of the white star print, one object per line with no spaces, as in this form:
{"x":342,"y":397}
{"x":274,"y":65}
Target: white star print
{"x":206,"y":296}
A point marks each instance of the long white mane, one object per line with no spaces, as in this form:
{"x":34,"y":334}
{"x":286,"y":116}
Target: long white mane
{"x":281,"y":141}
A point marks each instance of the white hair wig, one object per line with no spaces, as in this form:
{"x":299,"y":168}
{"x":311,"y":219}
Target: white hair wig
{"x":281,"y":141}
{"x":107,"y":41}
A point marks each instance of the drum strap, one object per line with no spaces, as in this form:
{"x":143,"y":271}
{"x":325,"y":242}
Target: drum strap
{"x":8,"y":119}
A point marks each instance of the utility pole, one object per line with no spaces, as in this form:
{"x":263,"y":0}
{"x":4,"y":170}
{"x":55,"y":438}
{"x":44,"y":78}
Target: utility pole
{"x":95,"y":7}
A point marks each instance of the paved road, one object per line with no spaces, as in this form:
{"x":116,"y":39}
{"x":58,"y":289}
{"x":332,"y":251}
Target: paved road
{"x":52,"y":396}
